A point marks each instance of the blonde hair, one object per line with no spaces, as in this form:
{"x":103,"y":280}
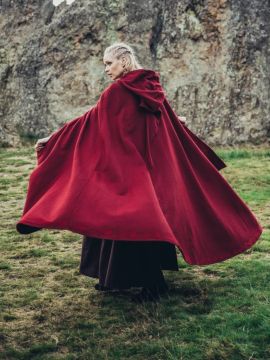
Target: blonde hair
{"x":120,"y":49}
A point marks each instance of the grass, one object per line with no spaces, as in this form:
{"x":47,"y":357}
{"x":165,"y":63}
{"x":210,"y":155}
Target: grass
{"x":49,"y":311}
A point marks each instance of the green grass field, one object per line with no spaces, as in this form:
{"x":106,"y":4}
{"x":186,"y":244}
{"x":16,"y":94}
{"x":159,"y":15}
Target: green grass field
{"x":49,"y":311}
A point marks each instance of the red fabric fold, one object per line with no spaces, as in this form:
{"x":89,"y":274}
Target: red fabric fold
{"x":128,"y":169}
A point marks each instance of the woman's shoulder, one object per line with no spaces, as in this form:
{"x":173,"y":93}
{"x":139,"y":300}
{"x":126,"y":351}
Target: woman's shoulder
{"x":115,"y":88}
{"x":112,"y":87}
{"x":115,"y":93}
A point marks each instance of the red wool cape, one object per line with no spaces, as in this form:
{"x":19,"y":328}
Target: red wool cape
{"x":129,"y":169}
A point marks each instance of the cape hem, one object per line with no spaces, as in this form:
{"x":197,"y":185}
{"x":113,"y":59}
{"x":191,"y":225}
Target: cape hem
{"x":247,"y":245}
{"x":108,"y":235}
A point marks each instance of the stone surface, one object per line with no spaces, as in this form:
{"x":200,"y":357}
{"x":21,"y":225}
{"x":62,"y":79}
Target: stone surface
{"x":213,"y":57}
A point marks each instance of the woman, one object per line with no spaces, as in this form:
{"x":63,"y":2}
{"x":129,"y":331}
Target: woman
{"x":135,"y":181}
{"x":123,"y":264}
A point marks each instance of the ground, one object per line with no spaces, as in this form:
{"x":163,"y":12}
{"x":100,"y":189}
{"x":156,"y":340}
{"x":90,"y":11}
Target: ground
{"x":49,"y":311}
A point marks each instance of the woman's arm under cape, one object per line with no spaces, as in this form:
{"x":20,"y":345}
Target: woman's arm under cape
{"x":206,"y":149}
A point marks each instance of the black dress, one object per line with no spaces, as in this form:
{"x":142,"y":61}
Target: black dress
{"x":125,"y":264}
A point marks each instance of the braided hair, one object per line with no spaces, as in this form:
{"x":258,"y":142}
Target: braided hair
{"x":120,"y":49}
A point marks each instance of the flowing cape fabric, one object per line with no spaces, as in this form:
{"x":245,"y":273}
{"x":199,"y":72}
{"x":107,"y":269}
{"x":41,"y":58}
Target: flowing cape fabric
{"x":129,"y":169}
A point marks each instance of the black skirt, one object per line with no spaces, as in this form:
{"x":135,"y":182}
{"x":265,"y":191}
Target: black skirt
{"x":124,"y":264}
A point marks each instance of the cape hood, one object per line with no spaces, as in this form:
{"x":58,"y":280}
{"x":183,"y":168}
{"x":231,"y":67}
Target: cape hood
{"x":129,"y":169}
{"x":146,"y":85}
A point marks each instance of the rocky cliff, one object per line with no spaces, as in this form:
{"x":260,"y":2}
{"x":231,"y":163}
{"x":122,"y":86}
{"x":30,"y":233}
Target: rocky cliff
{"x":213,"y":57}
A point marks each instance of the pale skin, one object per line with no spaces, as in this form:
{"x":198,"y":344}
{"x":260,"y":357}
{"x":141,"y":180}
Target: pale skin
{"x":114,"y":68}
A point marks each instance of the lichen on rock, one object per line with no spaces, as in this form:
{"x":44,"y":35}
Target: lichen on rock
{"x":213,"y":58}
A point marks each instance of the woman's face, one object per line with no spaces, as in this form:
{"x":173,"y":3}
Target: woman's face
{"x":113,"y":67}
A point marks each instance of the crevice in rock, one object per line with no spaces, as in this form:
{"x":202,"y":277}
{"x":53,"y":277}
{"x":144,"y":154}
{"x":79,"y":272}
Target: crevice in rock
{"x":156,"y":33}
